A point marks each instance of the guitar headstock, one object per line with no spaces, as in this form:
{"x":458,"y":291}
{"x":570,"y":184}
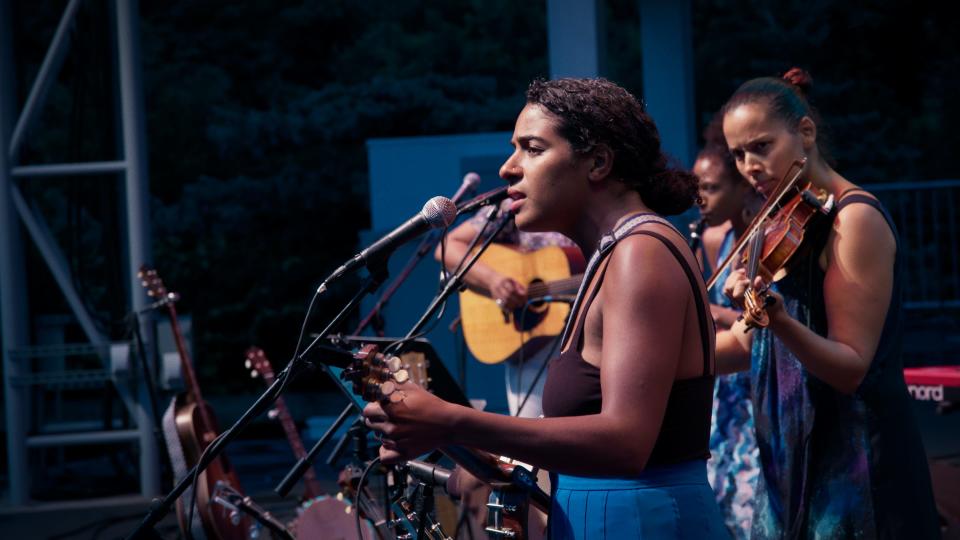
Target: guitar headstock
{"x":151,"y":281}
{"x":375,"y":377}
{"x":259,"y":365}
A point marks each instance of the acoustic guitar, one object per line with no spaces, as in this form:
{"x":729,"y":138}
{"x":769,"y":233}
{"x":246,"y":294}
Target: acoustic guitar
{"x":494,"y":336}
{"x":319,"y":515}
{"x":259,"y":364}
{"x":375,"y":377}
{"x":195,"y":426}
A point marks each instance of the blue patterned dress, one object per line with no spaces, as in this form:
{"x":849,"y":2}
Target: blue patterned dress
{"x":836,"y":465}
{"x":734,"y":462}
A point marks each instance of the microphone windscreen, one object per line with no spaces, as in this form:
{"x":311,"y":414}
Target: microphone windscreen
{"x":439,"y":212}
{"x":472,"y":180}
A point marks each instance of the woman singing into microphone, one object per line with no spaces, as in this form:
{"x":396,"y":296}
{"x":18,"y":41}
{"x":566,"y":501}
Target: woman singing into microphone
{"x":627,"y":402}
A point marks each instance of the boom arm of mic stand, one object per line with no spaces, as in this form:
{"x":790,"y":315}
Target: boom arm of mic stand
{"x":453,"y":283}
{"x":426,"y":245}
{"x":303,"y":463}
{"x":476,"y":238}
{"x":162,"y":508}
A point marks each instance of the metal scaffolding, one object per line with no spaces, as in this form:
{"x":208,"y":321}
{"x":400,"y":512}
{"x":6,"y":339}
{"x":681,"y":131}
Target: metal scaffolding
{"x":20,"y":354}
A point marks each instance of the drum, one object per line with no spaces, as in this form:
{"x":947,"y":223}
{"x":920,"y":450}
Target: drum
{"x":330,"y":518}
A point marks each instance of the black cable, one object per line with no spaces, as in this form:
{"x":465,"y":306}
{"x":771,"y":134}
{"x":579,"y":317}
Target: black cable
{"x":543,"y":367}
{"x":464,"y":513}
{"x":520,"y":357}
{"x":296,"y":349}
{"x":282,"y":377}
{"x":133,"y":320}
{"x":476,"y":238}
{"x":444,"y":273}
{"x":419,"y":508}
{"x":363,"y":478}
{"x":395,"y":346}
{"x":195,"y":481}
{"x":398,"y":344}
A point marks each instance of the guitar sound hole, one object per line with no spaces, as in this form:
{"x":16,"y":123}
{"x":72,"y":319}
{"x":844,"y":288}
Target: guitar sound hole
{"x":529,"y":317}
{"x":539,"y":305}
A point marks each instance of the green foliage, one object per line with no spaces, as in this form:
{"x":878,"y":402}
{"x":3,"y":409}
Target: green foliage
{"x":258,"y":113}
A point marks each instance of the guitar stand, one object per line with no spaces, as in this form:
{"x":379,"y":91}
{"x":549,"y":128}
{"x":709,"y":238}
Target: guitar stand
{"x":161,"y":507}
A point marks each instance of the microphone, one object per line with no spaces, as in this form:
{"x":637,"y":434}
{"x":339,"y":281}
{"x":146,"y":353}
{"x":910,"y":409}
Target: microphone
{"x":428,"y":473}
{"x":471,"y":181}
{"x":439,"y":212}
{"x":485,"y":199}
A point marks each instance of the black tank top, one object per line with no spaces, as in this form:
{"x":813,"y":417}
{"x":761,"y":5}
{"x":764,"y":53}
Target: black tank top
{"x":573,"y":388}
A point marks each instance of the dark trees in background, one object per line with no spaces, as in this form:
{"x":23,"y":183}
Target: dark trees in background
{"x":257,"y":114}
{"x":886,"y":75}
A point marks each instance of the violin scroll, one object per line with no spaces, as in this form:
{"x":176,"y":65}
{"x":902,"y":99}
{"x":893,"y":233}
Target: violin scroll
{"x":755,"y":304}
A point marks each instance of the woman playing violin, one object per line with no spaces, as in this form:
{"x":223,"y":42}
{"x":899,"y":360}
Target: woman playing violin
{"x":627,"y":402}
{"x":840,"y":453}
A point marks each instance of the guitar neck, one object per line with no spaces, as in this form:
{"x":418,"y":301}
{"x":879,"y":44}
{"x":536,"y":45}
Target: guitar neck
{"x":367,"y":374}
{"x":311,"y":484}
{"x":561,"y":286}
{"x":186,"y":365}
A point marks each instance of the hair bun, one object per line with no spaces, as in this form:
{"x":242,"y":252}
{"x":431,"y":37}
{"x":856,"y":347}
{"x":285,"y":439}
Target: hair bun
{"x":799,"y":78}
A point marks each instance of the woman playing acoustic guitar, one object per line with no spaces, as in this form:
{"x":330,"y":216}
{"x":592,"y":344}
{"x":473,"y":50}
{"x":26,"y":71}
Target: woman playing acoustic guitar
{"x":840,"y":454}
{"x":627,"y":402}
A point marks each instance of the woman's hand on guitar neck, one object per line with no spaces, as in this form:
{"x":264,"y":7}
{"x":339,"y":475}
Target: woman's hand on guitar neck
{"x":411,"y":425}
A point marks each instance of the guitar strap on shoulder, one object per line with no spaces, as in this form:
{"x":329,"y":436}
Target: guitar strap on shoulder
{"x":178,"y":462}
{"x":606,"y":245}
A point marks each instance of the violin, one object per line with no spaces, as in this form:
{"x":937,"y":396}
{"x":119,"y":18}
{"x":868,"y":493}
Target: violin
{"x":776,"y":237}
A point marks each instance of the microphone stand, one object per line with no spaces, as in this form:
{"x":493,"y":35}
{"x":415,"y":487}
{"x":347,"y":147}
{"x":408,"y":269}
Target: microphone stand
{"x":161,"y":508}
{"x":504,"y":218}
{"x":304,"y":463}
{"x":426,"y":245}
{"x":453,"y":283}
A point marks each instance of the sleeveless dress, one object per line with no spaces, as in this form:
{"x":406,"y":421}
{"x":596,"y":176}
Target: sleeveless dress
{"x":734,"y":462}
{"x":836,"y":465}
{"x":671,"y":498}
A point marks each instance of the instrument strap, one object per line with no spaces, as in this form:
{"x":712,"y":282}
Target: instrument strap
{"x":606,"y":245}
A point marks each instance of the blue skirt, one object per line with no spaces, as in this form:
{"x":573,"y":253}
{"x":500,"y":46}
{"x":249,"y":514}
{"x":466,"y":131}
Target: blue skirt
{"x":670,"y":502}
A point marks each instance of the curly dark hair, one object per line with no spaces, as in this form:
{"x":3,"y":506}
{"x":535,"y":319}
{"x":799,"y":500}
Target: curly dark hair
{"x":596,"y":111}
